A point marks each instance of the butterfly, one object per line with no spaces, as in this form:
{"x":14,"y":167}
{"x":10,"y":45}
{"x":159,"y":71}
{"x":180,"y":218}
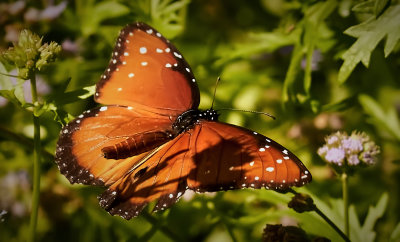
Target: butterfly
{"x":151,"y":143}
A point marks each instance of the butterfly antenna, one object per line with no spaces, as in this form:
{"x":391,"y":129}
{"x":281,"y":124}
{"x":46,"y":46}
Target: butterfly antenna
{"x":215,"y":91}
{"x":249,"y":111}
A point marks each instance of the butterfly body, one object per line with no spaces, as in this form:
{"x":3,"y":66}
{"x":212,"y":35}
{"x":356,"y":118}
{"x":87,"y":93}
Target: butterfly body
{"x":150,"y":142}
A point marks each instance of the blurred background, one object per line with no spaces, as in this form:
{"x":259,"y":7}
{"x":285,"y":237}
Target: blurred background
{"x":288,"y":58}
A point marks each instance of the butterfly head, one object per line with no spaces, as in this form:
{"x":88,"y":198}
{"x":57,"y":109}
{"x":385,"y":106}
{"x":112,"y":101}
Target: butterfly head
{"x":188,"y":119}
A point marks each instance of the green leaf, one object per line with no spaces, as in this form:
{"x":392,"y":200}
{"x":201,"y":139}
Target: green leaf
{"x":386,"y":119}
{"x":395,"y":236}
{"x":380,"y":7}
{"x":364,"y":7}
{"x":93,"y":16}
{"x":313,"y":31}
{"x":374,"y":213}
{"x":10,"y":96}
{"x":73,"y":96}
{"x":369,"y":34}
{"x":255,"y":43}
{"x":341,"y":105}
{"x":5,"y":81}
{"x":168,"y":16}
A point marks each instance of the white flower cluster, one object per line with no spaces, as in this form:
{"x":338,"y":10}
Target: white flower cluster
{"x":340,"y":148}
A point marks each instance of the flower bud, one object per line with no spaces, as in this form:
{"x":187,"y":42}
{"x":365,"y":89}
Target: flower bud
{"x":301,"y":203}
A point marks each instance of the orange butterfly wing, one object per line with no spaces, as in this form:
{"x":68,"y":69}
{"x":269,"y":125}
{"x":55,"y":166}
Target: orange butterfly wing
{"x":146,"y":71}
{"x":79,"y":148}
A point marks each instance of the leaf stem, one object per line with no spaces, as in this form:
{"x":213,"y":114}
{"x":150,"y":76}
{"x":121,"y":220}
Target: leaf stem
{"x":36,"y":165}
{"x":345,"y":192}
{"x":5,"y":74}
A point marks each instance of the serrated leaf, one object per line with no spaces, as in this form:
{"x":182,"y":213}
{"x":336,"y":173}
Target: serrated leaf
{"x":374,"y":213}
{"x":369,"y":34}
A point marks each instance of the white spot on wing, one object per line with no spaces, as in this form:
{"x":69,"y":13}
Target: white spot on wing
{"x":144,"y":63}
{"x":143,"y":50}
{"x":177,"y":55}
{"x":130,"y":75}
{"x":270,"y":169}
{"x":261,"y":149}
{"x":279,"y":161}
{"x":103,"y":109}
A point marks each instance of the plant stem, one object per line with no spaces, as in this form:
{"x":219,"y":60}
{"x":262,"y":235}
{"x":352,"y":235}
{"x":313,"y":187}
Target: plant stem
{"x":324,"y":217}
{"x":346,"y":203}
{"x":36,"y":165}
{"x":336,"y":228}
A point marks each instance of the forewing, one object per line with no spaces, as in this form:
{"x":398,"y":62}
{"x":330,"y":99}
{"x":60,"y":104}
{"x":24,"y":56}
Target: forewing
{"x":147,"y":71}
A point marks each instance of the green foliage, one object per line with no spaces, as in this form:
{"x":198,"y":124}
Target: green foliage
{"x":369,"y":34}
{"x":302,"y":54}
{"x":388,"y":120}
{"x":395,"y":236}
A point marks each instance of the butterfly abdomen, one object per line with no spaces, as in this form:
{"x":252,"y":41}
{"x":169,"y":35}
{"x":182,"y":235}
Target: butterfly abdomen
{"x":135,"y":145}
